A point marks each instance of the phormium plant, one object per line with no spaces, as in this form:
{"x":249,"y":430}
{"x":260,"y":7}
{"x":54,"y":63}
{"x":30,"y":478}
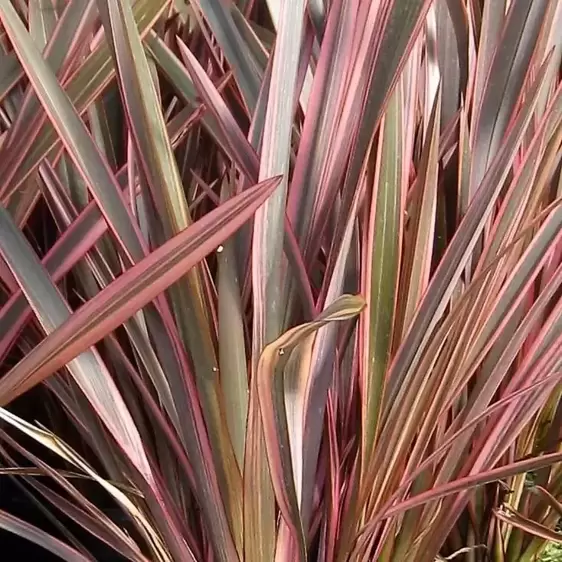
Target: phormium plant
{"x":289,"y":275}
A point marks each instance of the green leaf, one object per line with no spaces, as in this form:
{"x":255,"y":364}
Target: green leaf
{"x":267,"y":256}
{"x":381,"y":276}
{"x":419,"y":242}
{"x":190,"y":304}
{"x":232,"y":357}
{"x":272,"y":406}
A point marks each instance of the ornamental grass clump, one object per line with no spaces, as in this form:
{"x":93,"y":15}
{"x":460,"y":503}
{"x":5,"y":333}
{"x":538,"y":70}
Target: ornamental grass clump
{"x":286,"y":277}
